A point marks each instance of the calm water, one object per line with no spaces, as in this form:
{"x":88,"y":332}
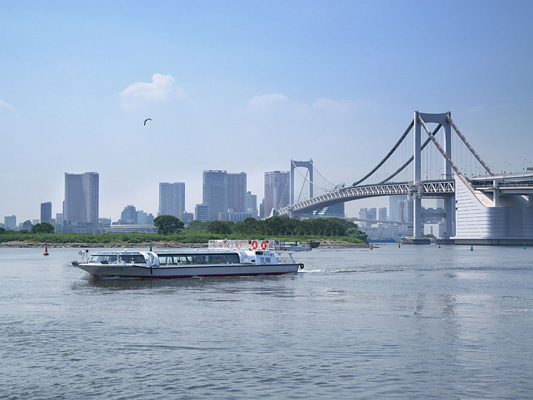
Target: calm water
{"x":416,"y":322}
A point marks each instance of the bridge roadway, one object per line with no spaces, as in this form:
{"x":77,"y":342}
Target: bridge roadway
{"x":517,"y":184}
{"x":429,"y":189}
{"x":509,"y":184}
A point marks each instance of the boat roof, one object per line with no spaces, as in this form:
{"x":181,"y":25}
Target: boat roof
{"x":162,"y":252}
{"x":117,"y":252}
{"x":194,"y":251}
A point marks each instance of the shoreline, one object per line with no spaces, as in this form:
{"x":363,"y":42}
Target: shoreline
{"x":328,"y":244}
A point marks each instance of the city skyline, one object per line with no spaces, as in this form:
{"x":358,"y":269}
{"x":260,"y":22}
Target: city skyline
{"x":170,"y":197}
{"x":247,"y":87}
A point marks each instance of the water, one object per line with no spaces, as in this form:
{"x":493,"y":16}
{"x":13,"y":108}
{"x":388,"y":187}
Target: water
{"x":416,"y":322}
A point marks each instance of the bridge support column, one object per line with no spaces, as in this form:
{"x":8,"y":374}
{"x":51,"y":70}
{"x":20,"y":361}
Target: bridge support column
{"x":496,"y":196}
{"x":449,"y":201}
{"x":417,"y":168}
{"x":449,"y":222}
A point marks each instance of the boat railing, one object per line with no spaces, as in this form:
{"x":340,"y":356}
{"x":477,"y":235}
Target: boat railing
{"x":272,"y":245}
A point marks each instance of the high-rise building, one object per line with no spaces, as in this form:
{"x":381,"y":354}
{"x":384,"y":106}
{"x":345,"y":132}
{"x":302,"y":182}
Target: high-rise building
{"x":81,"y":199}
{"x":236,"y":192}
{"x":215,"y":194}
{"x":10,"y":222}
{"x":141,"y":217}
{"x":277,"y":190}
{"x":382,"y":214}
{"x":262,"y":209}
{"x":172,"y":199}
{"x":405,"y":210}
{"x":250,"y":204}
{"x":363,"y":215}
{"x":201,"y":212}
{"x":128,"y":215}
{"x":59,"y":222}
{"x":46,"y":212}
{"x":393,"y":206}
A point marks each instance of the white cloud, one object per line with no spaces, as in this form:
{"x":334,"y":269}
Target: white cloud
{"x":162,"y":89}
{"x":336,"y":106}
{"x":6,"y":106}
{"x":267,"y":100}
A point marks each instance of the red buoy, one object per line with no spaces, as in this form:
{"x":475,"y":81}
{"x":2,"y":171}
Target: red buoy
{"x":45,"y":249}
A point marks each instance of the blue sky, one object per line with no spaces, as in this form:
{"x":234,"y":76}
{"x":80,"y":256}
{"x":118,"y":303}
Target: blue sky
{"x":245,"y":86}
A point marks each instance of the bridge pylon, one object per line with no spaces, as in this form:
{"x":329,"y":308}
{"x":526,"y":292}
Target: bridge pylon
{"x":449,"y":200}
{"x":302,"y":164}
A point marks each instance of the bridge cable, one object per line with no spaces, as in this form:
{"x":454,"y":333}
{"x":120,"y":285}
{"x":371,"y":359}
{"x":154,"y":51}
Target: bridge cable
{"x":323,"y":177}
{"x":303,"y":185}
{"x":446,"y":156}
{"x":282,"y":193}
{"x":312,"y":183}
{"x":487,"y":168}
{"x":388,"y":155}
{"x":411,"y":158}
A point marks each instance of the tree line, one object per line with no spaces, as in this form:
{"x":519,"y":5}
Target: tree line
{"x":274,"y":226}
{"x":171,"y":228}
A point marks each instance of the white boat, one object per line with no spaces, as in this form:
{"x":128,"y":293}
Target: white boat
{"x":221,"y":258}
{"x":298,"y":246}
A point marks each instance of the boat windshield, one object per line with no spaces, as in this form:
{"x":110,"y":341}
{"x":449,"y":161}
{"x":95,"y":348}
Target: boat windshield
{"x":103,"y":258}
{"x":111,"y":258}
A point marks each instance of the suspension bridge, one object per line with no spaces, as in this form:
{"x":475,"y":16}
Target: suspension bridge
{"x":478,"y":203}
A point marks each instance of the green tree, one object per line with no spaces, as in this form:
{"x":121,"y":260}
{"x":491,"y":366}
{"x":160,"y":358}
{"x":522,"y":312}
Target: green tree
{"x":197,"y":226}
{"x":168,"y":224}
{"x":43,"y":227}
{"x":219,"y":227}
{"x":250,"y":226}
{"x":2,"y":230}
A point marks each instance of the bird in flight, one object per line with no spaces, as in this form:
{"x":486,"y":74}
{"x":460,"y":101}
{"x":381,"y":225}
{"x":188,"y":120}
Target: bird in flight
{"x":146,"y":120}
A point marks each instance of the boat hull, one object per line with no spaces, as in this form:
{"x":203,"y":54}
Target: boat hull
{"x":134,"y":271}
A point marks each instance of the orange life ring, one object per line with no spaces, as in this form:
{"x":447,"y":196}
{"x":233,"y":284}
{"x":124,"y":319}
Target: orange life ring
{"x":264,"y":245}
{"x":254,"y":244}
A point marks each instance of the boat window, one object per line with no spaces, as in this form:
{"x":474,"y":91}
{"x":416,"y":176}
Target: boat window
{"x":181,"y":259}
{"x":224,"y":259}
{"x":166,"y":260}
{"x":218,"y":259}
{"x":200,"y":259}
{"x":139,"y":259}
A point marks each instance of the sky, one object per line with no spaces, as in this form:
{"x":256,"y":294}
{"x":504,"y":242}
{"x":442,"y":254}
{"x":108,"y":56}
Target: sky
{"x":246,"y":86}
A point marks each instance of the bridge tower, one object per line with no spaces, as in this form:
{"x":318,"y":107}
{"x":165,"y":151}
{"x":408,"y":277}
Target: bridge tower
{"x":449,"y":200}
{"x":303,"y":164}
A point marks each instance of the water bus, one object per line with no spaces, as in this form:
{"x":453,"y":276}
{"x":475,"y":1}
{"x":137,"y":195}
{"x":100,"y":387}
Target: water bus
{"x":221,"y":258}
